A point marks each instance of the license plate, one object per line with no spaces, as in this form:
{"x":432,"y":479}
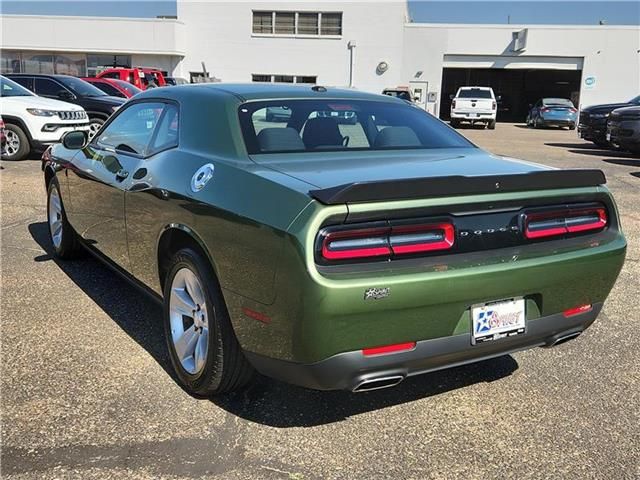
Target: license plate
{"x":495,"y":320}
{"x":608,"y":137}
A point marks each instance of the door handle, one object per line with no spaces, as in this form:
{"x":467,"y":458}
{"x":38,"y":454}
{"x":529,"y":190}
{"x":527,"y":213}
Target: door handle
{"x":121,"y":174}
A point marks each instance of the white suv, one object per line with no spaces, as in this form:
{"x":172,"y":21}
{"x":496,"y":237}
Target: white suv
{"x":33,"y":122}
{"x":475,"y":105}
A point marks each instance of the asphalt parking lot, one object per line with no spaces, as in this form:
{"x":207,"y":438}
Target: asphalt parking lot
{"x":87,"y":390}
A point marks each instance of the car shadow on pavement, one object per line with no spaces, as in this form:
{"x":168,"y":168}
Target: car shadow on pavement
{"x":590,"y":149}
{"x":135,"y":313}
{"x":624,"y":162}
{"x":276,"y":404}
{"x":265,"y":401}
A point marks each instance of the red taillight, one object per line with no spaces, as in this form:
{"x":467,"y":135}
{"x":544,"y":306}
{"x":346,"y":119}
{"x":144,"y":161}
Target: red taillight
{"x":494,"y":105}
{"x":387,"y":241}
{"x":574,"y":110}
{"x":549,"y":224}
{"x":453,"y":104}
{"x":544,"y":110}
{"x":577,"y":310}
{"x":421,"y":238}
{"x":369,"y":242}
{"x":398,"y":347}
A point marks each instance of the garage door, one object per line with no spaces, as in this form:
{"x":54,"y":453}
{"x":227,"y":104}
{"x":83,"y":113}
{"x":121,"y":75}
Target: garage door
{"x":520,"y":81}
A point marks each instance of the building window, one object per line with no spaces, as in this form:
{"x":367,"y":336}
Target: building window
{"x":331,"y":24}
{"x":262,"y":22}
{"x":265,"y":77}
{"x":297,"y":23}
{"x":10,"y":62}
{"x":307,"y":23}
{"x":285,"y":23}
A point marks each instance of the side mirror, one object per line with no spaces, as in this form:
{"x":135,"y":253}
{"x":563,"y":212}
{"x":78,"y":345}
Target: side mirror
{"x":75,"y":140}
{"x":452,"y":96}
{"x":499,"y":98}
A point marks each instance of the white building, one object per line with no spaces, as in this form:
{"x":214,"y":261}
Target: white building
{"x":367,"y":44}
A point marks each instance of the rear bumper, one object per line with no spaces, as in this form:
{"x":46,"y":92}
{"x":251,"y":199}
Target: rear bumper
{"x":559,"y":122}
{"x":473,"y":116}
{"x":349,"y":370}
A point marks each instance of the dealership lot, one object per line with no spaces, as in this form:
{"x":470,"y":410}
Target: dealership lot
{"x":87,"y":389}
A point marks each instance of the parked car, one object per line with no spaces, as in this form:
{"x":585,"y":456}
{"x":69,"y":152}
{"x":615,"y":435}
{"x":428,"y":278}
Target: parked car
{"x":3,"y":136}
{"x":140,"y":77}
{"x":176,"y":81}
{"x":114,"y":87}
{"x":32,"y":123}
{"x":98,"y":105}
{"x":553,"y":112}
{"x":343,"y":116}
{"x":474,"y":105}
{"x":592,"y":125}
{"x":623,"y":128}
{"x":326,"y":263}
{"x":403,"y":93}
{"x":277,"y":114}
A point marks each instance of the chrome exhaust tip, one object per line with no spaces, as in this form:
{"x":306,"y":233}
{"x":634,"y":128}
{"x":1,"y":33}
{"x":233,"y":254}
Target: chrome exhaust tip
{"x":565,"y":338}
{"x":377,"y":383}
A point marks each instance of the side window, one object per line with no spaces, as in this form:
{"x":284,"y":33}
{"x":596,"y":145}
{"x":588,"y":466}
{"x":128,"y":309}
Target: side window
{"x":111,"y":75}
{"x":108,"y":89}
{"x":132,"y":129}
{"x":48,"y":88}
{"x":26,"y":82}
{"x":167,"y":134}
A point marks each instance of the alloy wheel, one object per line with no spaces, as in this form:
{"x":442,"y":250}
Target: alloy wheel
{"x":13,"y":143}
{"x":93,"y":129}
{"x":55,"y":217}
{"x":189,"y":321}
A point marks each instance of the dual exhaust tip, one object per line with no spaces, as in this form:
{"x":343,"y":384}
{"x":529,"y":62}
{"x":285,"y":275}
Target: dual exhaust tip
{"x":377,"y":383}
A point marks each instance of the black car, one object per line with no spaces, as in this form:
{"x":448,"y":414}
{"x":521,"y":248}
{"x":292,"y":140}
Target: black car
{"x":592,"y":125}
{"x":623,"y":128}
{"x":98,"y":105}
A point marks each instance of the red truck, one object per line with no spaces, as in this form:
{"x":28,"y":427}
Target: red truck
{"x":138,"y":76}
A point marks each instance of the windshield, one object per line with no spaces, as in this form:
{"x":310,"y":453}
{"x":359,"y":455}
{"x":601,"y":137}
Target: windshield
{"x":635,"y":101}
{"x":557,"y":102}
{"x":279,"y":126}
{"x":9,"y":88}
{"x":474,"y":93}
{"x":80,"y":87}
{"x":132,"y":89}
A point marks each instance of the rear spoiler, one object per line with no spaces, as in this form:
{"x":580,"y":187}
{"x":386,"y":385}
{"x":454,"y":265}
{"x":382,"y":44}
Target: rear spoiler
{"x":406,"y":189}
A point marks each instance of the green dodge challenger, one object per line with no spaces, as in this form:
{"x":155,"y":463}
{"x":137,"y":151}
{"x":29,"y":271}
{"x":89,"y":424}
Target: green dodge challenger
{"x":325,"y":253}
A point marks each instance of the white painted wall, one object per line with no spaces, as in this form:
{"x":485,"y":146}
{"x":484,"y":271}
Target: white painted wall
{"x":611,"y":54}
{"x":220,"y":34}
{"x":93,"y":34}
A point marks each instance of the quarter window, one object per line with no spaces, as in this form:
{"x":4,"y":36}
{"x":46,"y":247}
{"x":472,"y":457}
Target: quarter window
{"x":132,"y":129}
{"x":167,"y":134}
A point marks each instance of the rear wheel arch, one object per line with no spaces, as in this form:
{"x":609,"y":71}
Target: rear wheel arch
{"x":174,"y":238}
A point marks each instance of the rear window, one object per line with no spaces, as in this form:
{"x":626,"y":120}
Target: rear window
{"x":281,"y":126}
{"x":474,"y":93}
{"x":560,"y":102}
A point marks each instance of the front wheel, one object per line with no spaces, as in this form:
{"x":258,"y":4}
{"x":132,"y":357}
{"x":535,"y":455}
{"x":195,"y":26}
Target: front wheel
{"x":202,"y":345}
{"x":63,"y":238}
{"x":17,"y":147}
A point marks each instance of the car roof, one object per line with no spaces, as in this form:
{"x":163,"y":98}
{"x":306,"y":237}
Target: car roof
{"x":266,"y":91}
{"x":475,"y":88}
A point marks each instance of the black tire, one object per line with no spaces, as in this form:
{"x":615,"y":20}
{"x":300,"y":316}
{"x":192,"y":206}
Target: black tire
{"x":572,"y":126}
{"x":226,"y":368}
{"x":23,"y":149}
{"x":491,"y":125}
{"x":69,"y":244}
{"x":454,"y":123}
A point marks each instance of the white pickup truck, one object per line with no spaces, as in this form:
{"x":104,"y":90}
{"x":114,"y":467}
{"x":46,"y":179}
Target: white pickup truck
{"x":475,"y":105}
